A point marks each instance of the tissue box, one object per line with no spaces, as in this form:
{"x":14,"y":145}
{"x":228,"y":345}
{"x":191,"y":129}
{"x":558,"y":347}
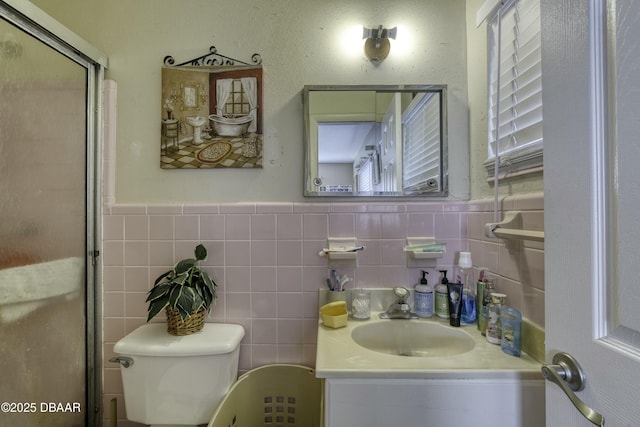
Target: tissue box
{"x":334,"y":314}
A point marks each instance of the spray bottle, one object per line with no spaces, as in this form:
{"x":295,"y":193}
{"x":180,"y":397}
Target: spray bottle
{"x":468,"y":292}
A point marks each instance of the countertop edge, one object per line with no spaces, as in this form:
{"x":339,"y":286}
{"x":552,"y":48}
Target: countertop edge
{"x":433,"y":374}
{"x":338,"y":356}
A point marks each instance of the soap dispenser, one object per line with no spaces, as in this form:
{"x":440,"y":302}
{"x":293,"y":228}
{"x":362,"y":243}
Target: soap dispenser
{"x":441,"y":297}
{"x":423,"y":297}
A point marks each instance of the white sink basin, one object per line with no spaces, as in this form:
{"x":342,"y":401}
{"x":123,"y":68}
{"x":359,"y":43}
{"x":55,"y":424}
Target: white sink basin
{"x":410,"y":338}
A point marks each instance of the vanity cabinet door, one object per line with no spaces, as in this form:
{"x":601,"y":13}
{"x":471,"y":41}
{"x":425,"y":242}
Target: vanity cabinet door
{"x":434,"y":403}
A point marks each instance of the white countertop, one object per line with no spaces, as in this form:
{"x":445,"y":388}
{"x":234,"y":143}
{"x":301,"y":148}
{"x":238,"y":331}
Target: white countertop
{"x":339,"y":356}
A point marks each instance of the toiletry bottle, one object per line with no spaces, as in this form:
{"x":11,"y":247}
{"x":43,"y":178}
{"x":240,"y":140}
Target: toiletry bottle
{"x":455,"y":303}
{"x":486,"y":300}
{"x":494,"y":328}
{"x":479,"y":296}
{"x":441,"y":297}
{"x":511,"y":321}
{"x":468,"y":292}
{"x":423,"y":297}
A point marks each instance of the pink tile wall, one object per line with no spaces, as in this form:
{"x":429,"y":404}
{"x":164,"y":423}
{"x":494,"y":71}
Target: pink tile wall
{"x":518,"y":269}
{"x":265,"y":259}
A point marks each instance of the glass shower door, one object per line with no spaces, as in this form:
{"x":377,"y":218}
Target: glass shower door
{"x":44,"y":232}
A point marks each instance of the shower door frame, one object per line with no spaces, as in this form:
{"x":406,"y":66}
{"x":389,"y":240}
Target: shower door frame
{"x":38,"y":24}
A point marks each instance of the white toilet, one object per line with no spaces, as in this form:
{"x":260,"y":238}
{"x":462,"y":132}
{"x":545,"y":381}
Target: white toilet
{"x":177,"y":380}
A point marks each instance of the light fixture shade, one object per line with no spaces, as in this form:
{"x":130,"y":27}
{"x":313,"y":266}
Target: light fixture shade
{"x":392,"y":33}
{"x":377,"y":50}
{"x":377,"y":45}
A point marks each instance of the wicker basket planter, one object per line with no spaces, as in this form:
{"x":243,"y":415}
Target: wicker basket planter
{"x":185,"y":292}
{"x":190,"y":325}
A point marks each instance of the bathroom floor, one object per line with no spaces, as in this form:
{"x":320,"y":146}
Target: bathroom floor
{"x":217,"y":152}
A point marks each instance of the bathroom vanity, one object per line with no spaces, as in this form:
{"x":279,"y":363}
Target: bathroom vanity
{"x":399,"y":375}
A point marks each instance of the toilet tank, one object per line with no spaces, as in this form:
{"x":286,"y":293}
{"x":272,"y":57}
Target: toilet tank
{"x":178,"y":379}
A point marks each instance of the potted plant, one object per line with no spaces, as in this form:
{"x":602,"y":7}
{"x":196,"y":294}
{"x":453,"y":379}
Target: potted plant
{"x":185,"y":292}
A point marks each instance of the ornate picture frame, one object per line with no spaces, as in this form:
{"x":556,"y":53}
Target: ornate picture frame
{"x":211,"y":113}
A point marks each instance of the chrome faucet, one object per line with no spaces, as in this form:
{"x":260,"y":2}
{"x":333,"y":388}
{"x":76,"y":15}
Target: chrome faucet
{"x":399,"y":309}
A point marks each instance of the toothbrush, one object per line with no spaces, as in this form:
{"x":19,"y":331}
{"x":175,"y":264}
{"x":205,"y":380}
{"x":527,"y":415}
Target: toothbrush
{"x":326,"y":251}
{"x":335,"y":282}
{"x":430,"y":247}
{"x":343,"y":281}
{"x":329,"y":284}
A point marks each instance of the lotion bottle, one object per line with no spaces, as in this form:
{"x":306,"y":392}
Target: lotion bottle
{"x":423,"y":297}
{"x":442,"y":298}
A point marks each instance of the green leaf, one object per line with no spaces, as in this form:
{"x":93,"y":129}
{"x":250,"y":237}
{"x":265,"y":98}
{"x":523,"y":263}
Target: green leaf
{"x":158,"y":291}
{"x":209,"y":296}
{"x":188,"y":302}
{"x":186,"y":299}
{"x":186,"y":296}
{"x":184,"y":265}
{"x":206,"y":293}
{"x":211,"y":285}
{"x":156,"y":306}
{"x":183,"y":313}
{"x":181,"y":279}
{"x":176,"y":293}
{"x":208,"y":299}
{"x":201,"y":253}
{"x":198,"y":287}
{"x":162,"y":277}
{"x":198,"y":302}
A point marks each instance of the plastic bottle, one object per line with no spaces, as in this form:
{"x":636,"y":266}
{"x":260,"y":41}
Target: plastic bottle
{"x":511,"y":322}
{"x":486,"y":300}
{"x":494,"y":328}
{"x":479,"y":295}
{"x":441,"y":297}
{"x":468,"y":292}
{"x":423,"y":297}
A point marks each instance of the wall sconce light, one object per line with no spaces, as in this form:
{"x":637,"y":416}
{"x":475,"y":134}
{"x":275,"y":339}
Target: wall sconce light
{"x":377,"y":46}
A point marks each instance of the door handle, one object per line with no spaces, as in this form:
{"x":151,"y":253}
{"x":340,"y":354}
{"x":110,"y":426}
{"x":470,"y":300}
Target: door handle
{"x":124,"y":361}
{"x":567,"y":373}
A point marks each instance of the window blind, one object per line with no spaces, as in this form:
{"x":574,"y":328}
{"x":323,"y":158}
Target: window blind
{"x":517,"y":118}
{"x":421,"y":144}
{"x":365,"y":181}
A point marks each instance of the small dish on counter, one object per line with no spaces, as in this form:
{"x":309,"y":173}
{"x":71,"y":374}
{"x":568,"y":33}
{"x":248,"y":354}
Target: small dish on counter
{"x":334,"y":314}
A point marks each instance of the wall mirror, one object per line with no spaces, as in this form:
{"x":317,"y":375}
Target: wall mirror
{"x":190,"y":96}
{"x":375,"y":140}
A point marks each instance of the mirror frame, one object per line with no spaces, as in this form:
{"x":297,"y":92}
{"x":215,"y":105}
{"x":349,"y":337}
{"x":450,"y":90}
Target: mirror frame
{"x":309,"y":188}
{"x":185,"y":88}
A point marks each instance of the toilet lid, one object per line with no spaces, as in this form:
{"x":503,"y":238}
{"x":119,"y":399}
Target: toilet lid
{"x":153,"y":340}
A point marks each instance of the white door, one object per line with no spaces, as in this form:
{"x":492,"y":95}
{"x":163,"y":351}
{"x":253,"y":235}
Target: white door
{"x":591,"y":98}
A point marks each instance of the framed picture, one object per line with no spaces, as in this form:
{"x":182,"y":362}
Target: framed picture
{"x":211,"y":117}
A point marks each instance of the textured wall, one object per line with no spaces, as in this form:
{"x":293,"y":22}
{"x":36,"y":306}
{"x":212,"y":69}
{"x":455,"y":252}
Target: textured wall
{"x":301,"y":43}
